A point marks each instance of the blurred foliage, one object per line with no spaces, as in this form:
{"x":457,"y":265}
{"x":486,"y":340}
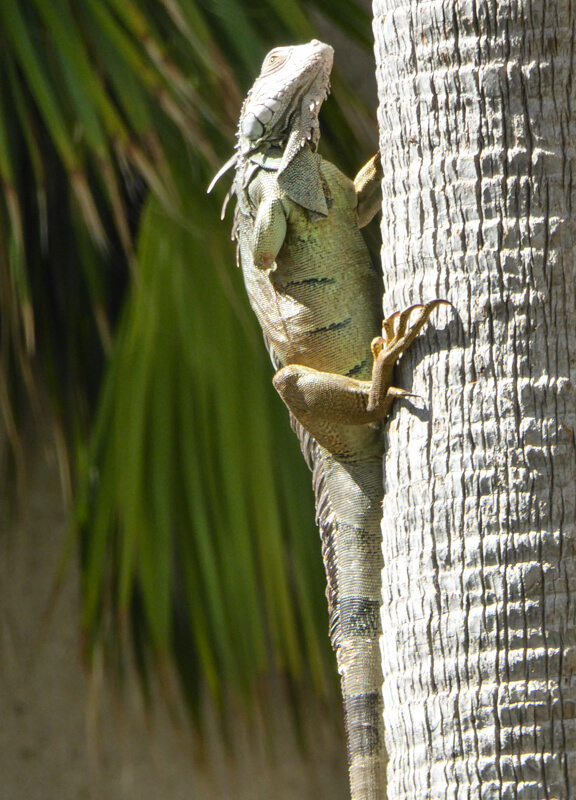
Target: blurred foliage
{"x":118,"y":292}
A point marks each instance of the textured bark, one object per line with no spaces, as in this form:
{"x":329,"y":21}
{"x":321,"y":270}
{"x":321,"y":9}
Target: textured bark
{"x":478,"y":124}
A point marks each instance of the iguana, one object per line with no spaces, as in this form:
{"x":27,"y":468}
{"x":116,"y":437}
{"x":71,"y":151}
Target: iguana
{"x":316,"y":295}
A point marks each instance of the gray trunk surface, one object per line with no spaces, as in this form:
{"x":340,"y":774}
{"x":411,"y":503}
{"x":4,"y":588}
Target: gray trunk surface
{"x":478,"y":129}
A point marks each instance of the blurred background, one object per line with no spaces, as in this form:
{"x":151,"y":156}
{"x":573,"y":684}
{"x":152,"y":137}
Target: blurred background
{"x":163,"y":625}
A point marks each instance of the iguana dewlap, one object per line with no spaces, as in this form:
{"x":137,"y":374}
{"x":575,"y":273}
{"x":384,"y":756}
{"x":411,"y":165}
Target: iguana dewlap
{"x":317,"y":297}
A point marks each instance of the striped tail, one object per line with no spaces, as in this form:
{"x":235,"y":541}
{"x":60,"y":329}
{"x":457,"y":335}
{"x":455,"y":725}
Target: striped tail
{"x":349,"y":513}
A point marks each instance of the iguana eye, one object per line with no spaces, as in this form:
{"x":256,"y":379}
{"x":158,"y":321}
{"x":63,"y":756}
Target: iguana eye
{"x":274,"y":60}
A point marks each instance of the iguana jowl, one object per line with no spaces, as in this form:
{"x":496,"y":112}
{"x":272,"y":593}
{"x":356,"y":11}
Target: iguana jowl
{"x":316,"y":295}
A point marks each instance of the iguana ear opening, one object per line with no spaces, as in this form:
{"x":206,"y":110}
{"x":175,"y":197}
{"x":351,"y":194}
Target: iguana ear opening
{"x":301,"y":181}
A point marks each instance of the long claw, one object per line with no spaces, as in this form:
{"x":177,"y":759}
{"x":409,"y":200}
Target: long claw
{"x":395,"y":336}
{"x":388,"y":329}
{"x":396,"y":392}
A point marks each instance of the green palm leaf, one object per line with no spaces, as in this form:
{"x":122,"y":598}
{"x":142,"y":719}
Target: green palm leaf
{"x":193,"y":508}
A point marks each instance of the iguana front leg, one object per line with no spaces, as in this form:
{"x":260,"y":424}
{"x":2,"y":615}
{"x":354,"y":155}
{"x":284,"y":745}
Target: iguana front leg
{"x":322,"y":400}
{"x":368,"y":186}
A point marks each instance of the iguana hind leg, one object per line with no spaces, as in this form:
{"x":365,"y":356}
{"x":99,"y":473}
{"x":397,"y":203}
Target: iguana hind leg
{"x":320,"y":400}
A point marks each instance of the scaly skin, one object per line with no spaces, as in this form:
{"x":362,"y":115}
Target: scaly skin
{"x":311,"y":284}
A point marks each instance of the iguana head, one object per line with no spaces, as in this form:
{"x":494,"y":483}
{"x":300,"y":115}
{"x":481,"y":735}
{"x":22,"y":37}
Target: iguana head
{"x":282,"y":107}
{"x":279,"y":117}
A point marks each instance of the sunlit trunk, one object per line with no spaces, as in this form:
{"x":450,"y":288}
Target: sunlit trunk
{"x":477,"y":122}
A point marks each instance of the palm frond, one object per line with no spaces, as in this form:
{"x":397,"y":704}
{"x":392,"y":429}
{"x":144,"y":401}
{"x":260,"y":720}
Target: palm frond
{"x":118,"y":287}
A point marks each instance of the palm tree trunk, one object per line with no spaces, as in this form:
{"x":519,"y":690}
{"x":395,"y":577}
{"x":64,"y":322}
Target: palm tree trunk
{"x":478,"y":128}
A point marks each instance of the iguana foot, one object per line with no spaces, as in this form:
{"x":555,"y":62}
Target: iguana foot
{"x":396,"y":336}
{"x":387,"y":349}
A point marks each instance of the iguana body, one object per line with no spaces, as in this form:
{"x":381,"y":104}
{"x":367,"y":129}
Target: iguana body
{"x":312,"y":286}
